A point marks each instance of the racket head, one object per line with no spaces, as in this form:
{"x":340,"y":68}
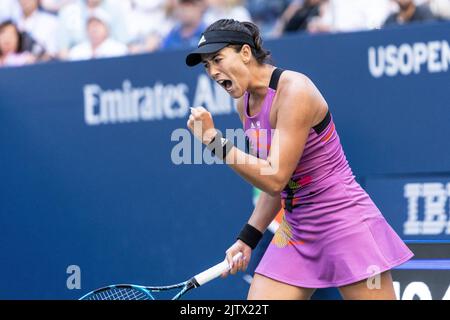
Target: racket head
{"x":119,"y":292}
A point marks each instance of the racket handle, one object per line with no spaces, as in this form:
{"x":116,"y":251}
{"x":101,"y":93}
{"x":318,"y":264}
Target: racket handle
{"x":215,"y":271}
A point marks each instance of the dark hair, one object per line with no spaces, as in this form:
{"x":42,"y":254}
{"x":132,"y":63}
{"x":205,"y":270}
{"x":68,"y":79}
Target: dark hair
{"x":8,"y":23}
{"x":261,"y":55}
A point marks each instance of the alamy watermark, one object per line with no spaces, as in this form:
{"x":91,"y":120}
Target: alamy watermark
{"x":74,"y":279}
{"x":262,"y":146}
{"x":374,"y":282}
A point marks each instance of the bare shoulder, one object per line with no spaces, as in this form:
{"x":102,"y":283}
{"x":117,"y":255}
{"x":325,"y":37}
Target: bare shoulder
{"x":291,"y":77}
{"x":296,"y":83}
{"x":299,"y":94}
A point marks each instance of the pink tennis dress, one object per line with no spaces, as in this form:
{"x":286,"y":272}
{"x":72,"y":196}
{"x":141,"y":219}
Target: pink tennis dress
{"x":332,"y":234}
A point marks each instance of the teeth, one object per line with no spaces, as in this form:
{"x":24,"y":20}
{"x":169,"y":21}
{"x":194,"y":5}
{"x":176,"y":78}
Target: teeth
{"x":223,"y":83}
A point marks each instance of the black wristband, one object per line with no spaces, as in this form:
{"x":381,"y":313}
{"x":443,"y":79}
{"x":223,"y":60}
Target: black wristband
{"x":220,"y":146}
{"x":250,"y":235}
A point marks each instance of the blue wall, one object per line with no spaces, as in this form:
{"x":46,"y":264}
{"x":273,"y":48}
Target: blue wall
{"x":87,"y":178}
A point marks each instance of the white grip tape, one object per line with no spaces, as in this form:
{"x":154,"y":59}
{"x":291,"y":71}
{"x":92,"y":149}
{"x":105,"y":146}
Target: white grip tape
{"x":215,"y":271}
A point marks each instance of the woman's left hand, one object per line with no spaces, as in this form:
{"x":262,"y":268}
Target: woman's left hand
{"x":201,"y":124}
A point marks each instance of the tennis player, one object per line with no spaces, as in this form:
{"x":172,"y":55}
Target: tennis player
{"x":332,"y":234}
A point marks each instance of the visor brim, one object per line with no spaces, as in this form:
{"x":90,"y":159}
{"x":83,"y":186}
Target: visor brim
{"x":194,"y":58}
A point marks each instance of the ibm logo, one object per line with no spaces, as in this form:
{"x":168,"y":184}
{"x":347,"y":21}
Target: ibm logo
{"x":436,"y":213}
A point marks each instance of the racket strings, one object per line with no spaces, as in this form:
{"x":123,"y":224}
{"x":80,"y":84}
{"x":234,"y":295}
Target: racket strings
{"x":121,"y":294}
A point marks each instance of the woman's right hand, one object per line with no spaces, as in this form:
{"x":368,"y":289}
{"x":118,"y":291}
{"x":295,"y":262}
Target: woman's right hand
{"x":242,"y":263}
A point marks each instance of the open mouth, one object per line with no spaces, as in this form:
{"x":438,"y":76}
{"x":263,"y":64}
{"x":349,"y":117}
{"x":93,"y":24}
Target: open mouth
{"x":226,"y":84}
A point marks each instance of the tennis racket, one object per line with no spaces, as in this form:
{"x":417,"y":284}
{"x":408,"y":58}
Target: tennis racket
{"x":136,"y":292}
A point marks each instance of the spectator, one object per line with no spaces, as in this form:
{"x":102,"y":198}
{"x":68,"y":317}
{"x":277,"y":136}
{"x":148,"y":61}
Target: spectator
{"x":40,"y":25}
{"x":226,"y":9}
{"x":324,"y":21}
{"x":9,"y":10}
{"x":297,"y":16}
{"x":288,"y":13}
{"x":54,"y":6}
{"x":265,"y":13}
{"x":148,"y":25}
{"x":188,"y":31}
{"x":409,"y":12}
{"x":440,"y":8}
{"x":149,"y":22}
{"x":72,"y":21}
{"x":99,"y":45}
{"x":11,"y":51}
{"x":350,"y":15}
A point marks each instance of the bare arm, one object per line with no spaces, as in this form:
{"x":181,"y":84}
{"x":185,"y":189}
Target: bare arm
{"x":297,"y":103}
{"x":265,"y":211}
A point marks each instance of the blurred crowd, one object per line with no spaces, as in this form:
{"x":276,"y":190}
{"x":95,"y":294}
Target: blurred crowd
{"x":43,"y":30}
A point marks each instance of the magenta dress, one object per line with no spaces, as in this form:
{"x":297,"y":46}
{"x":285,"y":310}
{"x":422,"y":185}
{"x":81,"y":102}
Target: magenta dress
{"x":332,"y":234}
